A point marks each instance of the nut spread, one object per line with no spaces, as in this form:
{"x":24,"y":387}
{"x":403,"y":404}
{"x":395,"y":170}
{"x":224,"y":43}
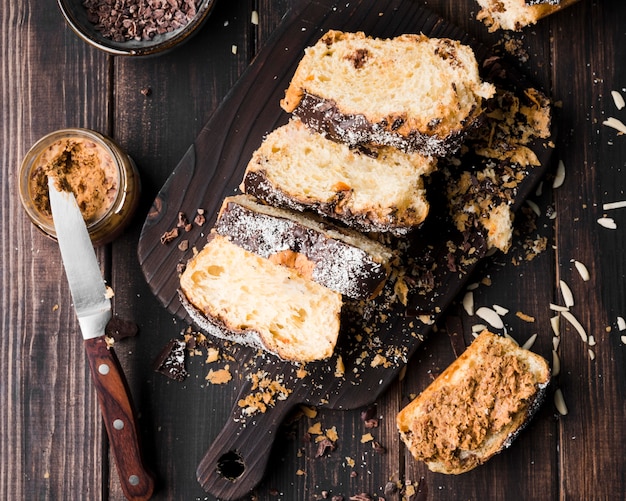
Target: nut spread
{"x":80,"y":166}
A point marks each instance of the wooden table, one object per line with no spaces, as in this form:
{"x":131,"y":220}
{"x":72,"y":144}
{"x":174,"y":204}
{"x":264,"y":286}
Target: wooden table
{"x":52,"y":442}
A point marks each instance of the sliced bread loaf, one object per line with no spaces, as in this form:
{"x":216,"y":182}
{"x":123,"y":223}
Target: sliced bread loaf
{"x":234,"y":294}
{"x":341,"y":259}
{"x":476,"y":407}
{"x":375,"y":190}
{"x":411,"y":92}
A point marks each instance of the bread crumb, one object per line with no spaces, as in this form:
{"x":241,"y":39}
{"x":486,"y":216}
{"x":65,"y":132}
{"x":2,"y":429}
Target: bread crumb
{"x":220,"y":376}
{"x":315,"y":429}
{"x":525,"y":317}
{"x":309,"y":412}
{"x":213,"y":355}
{"x":366,"y":438}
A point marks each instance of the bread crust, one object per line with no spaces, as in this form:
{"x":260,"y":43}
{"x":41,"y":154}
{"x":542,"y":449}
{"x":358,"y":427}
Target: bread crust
{"x":341,"y":259}
{"x":476,"y":407}
{"x":303,"y":171}
{"x":233,"y":294}
{"x":414,"y":117}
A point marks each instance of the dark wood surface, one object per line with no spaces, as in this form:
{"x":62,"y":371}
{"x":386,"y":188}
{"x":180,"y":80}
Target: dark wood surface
{"x":52,"y":440}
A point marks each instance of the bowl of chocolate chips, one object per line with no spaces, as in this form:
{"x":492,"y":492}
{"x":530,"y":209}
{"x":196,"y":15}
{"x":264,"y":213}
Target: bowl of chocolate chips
{"x":135,"y":27}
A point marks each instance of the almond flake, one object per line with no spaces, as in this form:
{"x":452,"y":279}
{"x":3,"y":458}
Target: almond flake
{"x":559,"y":402}
{"x":614,"y":205}
{"x":559,"y":178}
{"x":576,"y":324}
{"x":592,"y":354}
{"x":478,"y":328}
{"x":618,"y":99}
{"x":623,"y":338}
{"x":556,"y":364}
{"x":468,"y":303}
{"x":582,"y":270}
{"x":558,"y":307}
{"x":615,"y":124}
{"x":490,"y":316}
{"x":568,"y":297}
{"x":621,"y":323}
{"x":254,"y":18}
{"x":607,"y":222}
{"x":534,"y":207}
{"x":500,"y":310}
{"x":555,"y":324}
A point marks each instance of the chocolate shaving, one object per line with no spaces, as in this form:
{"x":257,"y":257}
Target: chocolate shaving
{"x":169,"y":236}
{"x":324,"y":446}
{"x":118,"y":328}
{"x":171,"y":361}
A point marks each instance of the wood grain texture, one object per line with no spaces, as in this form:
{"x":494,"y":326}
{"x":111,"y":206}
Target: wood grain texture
{"x":52,"y":444}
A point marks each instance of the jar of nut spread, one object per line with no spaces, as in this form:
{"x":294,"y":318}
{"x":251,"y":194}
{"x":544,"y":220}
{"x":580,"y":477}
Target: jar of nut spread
{"x":103,"y":178}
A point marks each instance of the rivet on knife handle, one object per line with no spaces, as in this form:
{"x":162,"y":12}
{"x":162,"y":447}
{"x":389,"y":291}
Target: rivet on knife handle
{"x":119,"y":419}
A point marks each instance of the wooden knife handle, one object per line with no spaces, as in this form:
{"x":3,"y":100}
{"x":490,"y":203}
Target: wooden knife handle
{"x":119,"y":420}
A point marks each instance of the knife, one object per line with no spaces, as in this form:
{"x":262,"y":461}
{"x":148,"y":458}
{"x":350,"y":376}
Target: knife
{"x":93,"y":309}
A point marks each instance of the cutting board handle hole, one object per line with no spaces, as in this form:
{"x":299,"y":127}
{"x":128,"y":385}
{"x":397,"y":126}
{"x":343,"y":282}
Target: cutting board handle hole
{"x":231,"y":466}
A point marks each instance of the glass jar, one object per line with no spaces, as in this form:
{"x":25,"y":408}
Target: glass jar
{"x":102,"y":176}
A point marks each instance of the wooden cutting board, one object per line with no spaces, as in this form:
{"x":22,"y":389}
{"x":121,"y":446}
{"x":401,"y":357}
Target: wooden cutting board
{"x":377,"y":340}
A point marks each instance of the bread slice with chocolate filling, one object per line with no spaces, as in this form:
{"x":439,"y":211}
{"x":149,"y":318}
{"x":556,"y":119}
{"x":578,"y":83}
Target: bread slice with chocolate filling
{"x":375,"y":190}
{"x":476,"y":407}
{"x":412,"y":92}
{"x":237,"y":295}
{"x":339,"y":258}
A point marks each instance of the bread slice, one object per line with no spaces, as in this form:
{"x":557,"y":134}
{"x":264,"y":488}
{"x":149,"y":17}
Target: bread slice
{"x":237,"y":295}
{"x":341,"y":259}
{"x":517,"y":14}
{"x":411,"y":92}
{"x":476,"y":407}
{"x":378,"y":190}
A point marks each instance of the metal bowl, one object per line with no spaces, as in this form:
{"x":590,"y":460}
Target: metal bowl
{"x":76,"y":16}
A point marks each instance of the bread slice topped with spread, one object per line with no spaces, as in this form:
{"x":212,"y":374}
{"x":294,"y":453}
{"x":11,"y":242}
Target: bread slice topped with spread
{"x":234,"y":294}
{"x":476,"y":407}
{"x":341,"y":259}
{"x":374,"y":190}
{"x":411,"y":92}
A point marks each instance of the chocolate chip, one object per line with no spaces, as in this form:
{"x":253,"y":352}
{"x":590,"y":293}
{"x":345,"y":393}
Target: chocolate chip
{"x":123,"y":20}
{"x":118,"y":328}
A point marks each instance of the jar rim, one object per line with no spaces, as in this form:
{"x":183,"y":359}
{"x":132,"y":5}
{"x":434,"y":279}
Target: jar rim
{"x":120,"y":161}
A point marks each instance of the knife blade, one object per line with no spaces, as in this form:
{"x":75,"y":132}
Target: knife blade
{"x":93,"y":309}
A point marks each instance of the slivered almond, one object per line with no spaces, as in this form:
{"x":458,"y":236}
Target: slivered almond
{"x":618,"y":99}
{"x":559,"y":178}
{"x":576,"y":324}
{"x":555,"y":324}
{"x":490,"y":316}
{"x":582,"y":270}
{"x":468,"y":303}
{"x":607,"y":222}
{"x":529,"y":342}
{"x":556,"y":364}
{"x":568,"y":297}
{"x":559,"y":402}
{"x":616,"y":124}
{"x":621,"y":323}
